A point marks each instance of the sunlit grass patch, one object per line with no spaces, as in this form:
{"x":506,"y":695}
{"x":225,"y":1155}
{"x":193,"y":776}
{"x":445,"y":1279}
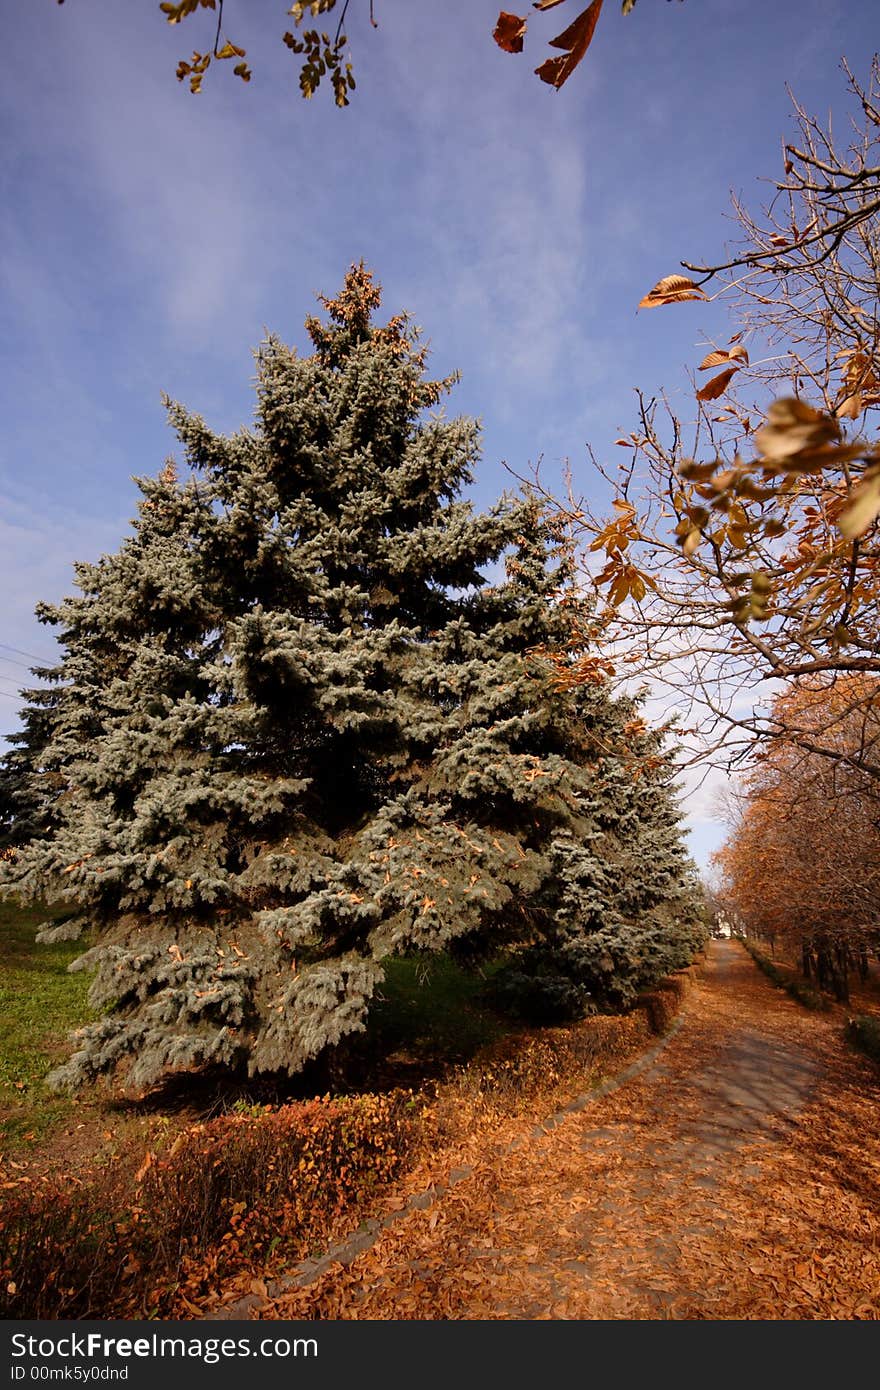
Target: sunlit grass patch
{"x":40,"y":1005}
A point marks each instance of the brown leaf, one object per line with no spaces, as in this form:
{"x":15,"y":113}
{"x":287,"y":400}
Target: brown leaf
{"x":717,"y":385}
{"x":692,"y":541}
{"x":508,"y":32}
{"x":546,"y":4}
{"x":860,"y":385}
{"x":576,"y":39}
{"x":793,"y":427}
{"x":714,"y":359}
{"x":850,"y":407}
{"x":721,"y":355}
{"x":145,"y":1167}
{"x":672,"y":289}
{"x":863,"y":508}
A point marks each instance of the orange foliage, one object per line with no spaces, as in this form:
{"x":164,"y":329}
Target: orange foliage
{"x":803,"y":860}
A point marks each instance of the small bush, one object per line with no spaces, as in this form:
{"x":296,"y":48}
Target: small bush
{"x":554,"y":1062}
{"x":661,"y":1005}
{"x":539,"y":994}
{"x":798,"y":989}
{"x":864,"y":1032}
{"x":806,"y":995}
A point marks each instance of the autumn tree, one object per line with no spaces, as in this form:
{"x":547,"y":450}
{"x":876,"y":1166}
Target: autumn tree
{"x":801,"y":865}
{"x":744,"y":547}
{"x":298,"y":731}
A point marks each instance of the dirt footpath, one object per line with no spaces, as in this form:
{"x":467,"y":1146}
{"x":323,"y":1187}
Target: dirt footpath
{"x":736,"y":1177}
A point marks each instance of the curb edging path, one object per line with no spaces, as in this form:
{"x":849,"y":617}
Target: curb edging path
{"x":345,"y":1251}
{"x":737,"y":1176}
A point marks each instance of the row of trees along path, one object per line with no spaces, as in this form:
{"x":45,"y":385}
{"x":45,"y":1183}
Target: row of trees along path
{"x":736,"y":1177}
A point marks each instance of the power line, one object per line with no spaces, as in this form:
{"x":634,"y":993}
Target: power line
{"x":25,"y":665}
{"x":44,"y":661}
{"x":19,"y":680}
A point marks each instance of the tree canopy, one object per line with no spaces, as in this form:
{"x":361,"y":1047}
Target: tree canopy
{"x":326,"y":54}
{"x":801,"y":865}
{"x":744,"y":545}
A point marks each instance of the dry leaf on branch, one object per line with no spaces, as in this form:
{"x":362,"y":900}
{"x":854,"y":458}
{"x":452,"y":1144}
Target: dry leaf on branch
{"x":576,"y":39}
{"x":717,"y":385}
{"x":864,"y":506}
{"x":508,"y":32}
{"x":860,"y":388}
{"x":546,"y":4}
{"x":800,"y":439}
{"x":793,"y":427}
{"x":672,"y":289}
{"x":722,"y":355}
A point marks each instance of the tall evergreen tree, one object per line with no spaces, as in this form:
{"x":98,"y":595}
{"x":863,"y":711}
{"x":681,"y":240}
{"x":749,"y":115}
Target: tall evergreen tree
{"x":301,"y":731}
{"x":26,"y":798}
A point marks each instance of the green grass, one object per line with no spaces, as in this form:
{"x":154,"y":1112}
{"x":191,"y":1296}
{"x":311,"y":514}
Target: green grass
{"x":429,"y":1014}
{"x":431,"y":1008}
{"x":40,"y":1005}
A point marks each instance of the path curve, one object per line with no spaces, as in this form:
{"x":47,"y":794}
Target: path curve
{"x":737,"y":1176}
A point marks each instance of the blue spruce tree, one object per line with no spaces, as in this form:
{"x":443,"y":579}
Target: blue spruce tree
{"x":298,"y":730}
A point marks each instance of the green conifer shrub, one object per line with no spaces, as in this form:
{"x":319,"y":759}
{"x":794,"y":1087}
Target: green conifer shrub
{"x":300,"y":729}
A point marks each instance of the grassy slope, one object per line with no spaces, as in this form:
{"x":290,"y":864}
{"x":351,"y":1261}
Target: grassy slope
{"x":428,"y":1015}
{"x":40,"y":1005}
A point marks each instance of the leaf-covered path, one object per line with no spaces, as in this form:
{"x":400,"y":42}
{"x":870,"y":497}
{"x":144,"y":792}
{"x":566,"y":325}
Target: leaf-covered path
{"x":737,"y":1177}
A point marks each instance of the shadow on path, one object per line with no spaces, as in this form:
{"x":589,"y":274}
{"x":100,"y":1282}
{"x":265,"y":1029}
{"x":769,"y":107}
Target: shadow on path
{"x":735,"y":1176}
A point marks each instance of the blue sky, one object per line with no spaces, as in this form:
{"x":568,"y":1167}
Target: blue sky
{"x":148,"y":237}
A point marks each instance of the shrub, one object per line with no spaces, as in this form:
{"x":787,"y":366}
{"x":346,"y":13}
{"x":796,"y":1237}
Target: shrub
{"x":662,"y":1004}
{"x":798,"y":989}
{"x":535,"y":990}
{"x":231,"y":1191}
{"x":864,"y":1032}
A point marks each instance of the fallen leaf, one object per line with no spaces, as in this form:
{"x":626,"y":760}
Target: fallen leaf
{"x":145,"y":1167}
{"x":576,"y":39}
